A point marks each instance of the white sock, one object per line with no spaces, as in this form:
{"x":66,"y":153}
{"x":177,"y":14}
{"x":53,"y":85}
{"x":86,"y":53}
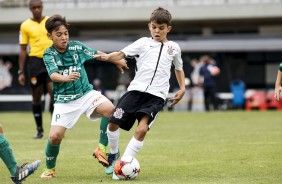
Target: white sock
{"x":113,"y":140}
{"x":133,"y":147}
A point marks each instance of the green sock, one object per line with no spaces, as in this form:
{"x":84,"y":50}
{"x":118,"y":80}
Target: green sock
{"x":51,"y":151}
{"x":103,"y":131}
{"x":7,"y":155}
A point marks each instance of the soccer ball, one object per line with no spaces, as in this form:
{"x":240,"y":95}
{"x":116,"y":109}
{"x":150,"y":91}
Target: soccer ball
{"x":127,"y":168}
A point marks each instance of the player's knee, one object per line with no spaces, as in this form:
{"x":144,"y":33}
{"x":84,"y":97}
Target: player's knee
{"x":141,"y":130}
{"x":112,"y":127}
{"x":55,"y":138}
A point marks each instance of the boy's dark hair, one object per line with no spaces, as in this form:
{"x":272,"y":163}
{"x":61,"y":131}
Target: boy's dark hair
{"x":161,"y":15}
{"x":55,"y":22}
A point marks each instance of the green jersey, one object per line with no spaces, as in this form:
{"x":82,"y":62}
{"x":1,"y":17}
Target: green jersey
{"x":72,"y":60}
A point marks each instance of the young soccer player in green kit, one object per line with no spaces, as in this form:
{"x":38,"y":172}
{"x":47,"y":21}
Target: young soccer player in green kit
{"x":72,"y":92}
{"x":18,"y":173}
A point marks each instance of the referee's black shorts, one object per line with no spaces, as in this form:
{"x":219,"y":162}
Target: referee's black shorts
{"x":134,"y":105}
{"x":37,"y":72}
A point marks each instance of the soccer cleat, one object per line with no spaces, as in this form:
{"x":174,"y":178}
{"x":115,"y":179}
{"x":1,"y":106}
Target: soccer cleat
{"x":114,"y":177}
{"x":39,"y":135}
{"x":112,"y":160}
{"x":100,"y":154}
{"x":24,"y":171}
{"x":48,"y":173}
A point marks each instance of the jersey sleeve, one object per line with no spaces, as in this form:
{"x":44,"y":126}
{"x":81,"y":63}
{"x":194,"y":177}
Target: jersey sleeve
{"x":23,"y":35}
{"x":49,"y":61}
{"x":177,"y":60}
{"x":86,"y":51}
{"x":134,"y":48}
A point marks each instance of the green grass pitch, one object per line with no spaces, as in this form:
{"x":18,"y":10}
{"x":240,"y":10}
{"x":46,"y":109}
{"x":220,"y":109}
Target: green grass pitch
{"x":234,"y":147}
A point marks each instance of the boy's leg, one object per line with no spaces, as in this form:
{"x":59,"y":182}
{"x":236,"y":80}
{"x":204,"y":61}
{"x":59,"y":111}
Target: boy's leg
{"x":37,"y":92}
{"x":6,"y":154}
{"x":17,"y":173}
{"x":137,"y":141}
{"x":100,"y":152}
{"x":24,"y":171}
{"x":103,"y":131}
{"x":105,"y":108}
{"x":52,"y":150}
{"x":133,"y":147}
{"x":113,"y":136}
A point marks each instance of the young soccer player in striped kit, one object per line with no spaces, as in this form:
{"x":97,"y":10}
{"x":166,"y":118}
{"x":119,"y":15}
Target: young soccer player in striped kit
{"x":73,"y":94}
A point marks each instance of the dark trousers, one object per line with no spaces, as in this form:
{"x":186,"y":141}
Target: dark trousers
{"x":210,"y":98}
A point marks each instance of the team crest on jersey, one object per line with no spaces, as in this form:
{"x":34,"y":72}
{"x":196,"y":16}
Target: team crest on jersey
{"x":170,"y":50}
{"x":59,"y":63}
{"x":118,"y":113}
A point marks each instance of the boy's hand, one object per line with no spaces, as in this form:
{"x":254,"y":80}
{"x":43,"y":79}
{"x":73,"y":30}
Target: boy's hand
{"x":277,"y":93}
{"x":72,"y":77}
{"x":121,"y":64}
{"x":177,"y":97}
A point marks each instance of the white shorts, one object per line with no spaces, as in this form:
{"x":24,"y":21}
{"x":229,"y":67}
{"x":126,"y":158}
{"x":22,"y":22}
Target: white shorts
{"x":67,"y":114}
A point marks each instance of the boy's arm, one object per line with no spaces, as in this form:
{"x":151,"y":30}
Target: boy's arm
{"x":181,"y":82}
{"x":112,"y":57}
{"x":56,"y":77}
{"x":22,"y":63}
{"x":278,"y":85}
{"x":116,"y":58}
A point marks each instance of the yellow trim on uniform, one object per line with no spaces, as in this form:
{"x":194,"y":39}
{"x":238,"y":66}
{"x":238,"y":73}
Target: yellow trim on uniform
{"x":35,"y":35}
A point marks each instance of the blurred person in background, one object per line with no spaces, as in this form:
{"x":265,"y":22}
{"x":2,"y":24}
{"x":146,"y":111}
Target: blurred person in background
{"x":278,"y":83}
{"x":97,"y":85}
{"x":197,"y":96}
{"x":34,"y":35}
{"x":208,"y":72}
{"x":5,"y":75}
{"x":18,"y":173}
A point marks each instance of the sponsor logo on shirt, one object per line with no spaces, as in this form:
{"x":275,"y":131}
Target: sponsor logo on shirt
{"x":69,"y":70}
{"x":75,"y":47}
{"x":67,"y":98}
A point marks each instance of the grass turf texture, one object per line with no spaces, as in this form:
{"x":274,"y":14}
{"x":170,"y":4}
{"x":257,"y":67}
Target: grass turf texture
{"x":182,"y":147}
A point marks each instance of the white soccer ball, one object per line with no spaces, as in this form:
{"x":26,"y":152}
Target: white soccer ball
{"x":127,"y":168}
